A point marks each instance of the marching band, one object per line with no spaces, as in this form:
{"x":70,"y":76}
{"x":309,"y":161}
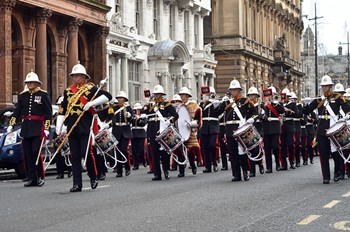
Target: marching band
{"x":242,"y":131}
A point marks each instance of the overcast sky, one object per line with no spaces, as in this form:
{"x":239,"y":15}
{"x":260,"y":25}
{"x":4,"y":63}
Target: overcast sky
{"x":332,"y":27}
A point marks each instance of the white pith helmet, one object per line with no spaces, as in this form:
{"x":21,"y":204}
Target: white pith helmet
{"x":79,"y":69}
{"x":339,"y":88}
{"x":185,"y":90}
{"x":253,"y":90}
{"x":123,"y":95}
{"x":286,"y":91}
{"x":137,"y":106}
{"x":59,"y":100}
{"x":158,"y":89}
{"x":177,"y":97}
{"x":273,"y":89}
{"x":326,"y":80}
{"x":293,"y":96}
{"x":235,"y":85}
{"x":347,"y":92}
{"x":32,"y":77}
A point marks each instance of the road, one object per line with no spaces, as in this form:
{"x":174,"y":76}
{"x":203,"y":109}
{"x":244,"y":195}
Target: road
{"x":293,"y":200}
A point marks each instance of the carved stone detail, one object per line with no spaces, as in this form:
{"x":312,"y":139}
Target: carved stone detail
{"x":74,"y":24}
{"x":43,"y":15}
{"x":116,"y":24}
{"x":7,"y":5}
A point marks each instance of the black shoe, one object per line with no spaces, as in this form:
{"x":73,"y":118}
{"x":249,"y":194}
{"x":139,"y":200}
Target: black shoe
{"x":224,"y":168}
{"x":252,"y":174}
{"x":157,"y":178}
{"x":305,"y":162}
{"x":246,"y":176}
{"x":326,"y":181}
{"x":102,"y":176}
{"x":119,"y":175}
{"x":194,"y":170}
{"x":181,"y":175}
{"x":166,"y":175}
{"x":30,"y":184}
{"x":215,"y":168}
{"x":297,"y":165}
{"x":76,"y":188}
{"x":127,"y":172}
{"x":278,"y":168}
{"x":261,"y":169}
{"x":41,"y":182}
{"x":70,"y":174}
{"x":25,"y":179}
{"x":342,"y":177}
{"x":150,"y":172}
{"x":268,"y":171}
{"x":60,"y":176}
{"x":348,"y":174}
{"x":145,"y":164}
{"x":311,"y":161}
{"x":206,"y":171}
{"x":283,"y":169}
{"x":236,"y":179}
{"x":292,"y":166}
{"x":94,"y":184}
{"x":336,"y":177}
{"x":135,"y":168}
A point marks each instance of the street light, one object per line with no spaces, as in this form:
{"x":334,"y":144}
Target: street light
{"x":347,"y":43}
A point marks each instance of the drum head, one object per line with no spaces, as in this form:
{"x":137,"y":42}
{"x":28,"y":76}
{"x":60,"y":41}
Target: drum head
{"x":335,"y":128}
{"x":241,"y":129}
{"x":184,"y":119}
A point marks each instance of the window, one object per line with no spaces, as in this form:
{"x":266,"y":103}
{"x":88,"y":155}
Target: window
{"x":134,"y":80}
{"x":137,"y":15}
{"x":118,"y":7}
{"x":155,"y":18}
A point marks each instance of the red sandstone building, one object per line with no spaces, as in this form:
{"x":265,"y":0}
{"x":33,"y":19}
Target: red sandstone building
{"x":50,"y":37}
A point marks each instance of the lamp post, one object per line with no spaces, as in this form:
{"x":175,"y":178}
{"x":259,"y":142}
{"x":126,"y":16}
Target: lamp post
{"x":347,"y":43}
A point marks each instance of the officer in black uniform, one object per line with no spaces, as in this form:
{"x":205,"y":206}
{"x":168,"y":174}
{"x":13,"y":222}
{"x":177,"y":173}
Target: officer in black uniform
{"x":138,"y":137}
{"x":122,"y":131}
{"x":35,"y":111}
{"x":210,"y":130}
{"x":222,"y":140}
{"x":310,"y":122}
{"x":328,"y":107}
{"x":238,"y":111}
{"x":78,"y":99}
{"x":272,"y":127}
{"x":297,"y":125}
{"x":170,"y":115}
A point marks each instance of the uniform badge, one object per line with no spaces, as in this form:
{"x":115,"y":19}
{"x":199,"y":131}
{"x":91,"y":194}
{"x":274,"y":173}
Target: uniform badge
{"x":37,"y":99}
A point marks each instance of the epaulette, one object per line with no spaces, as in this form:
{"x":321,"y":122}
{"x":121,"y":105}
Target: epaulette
{"x":246,"y":102}
{"x":43,"y":90}
{"x":24,"y":91}
{"x":166,"y":104}
{"x":90,"y":85}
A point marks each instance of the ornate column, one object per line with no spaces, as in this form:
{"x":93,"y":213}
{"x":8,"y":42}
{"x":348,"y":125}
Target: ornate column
{"x":40,"y":45}
{"x":6,"y":7}
{"x":99,"y":63}
{"x":124,"y":75}
{"x":73,"y":54}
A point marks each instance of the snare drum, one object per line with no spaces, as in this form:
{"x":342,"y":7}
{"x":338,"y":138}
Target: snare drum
{"x":65,"y":147}
{"x":339,"y":135}
{"x":105,"y":141}
{"x":169,"y":139}
{"x":247,"y":137}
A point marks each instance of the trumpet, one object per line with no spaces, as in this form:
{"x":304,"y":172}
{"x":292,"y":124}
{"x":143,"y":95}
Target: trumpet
{"x":276,"y":98}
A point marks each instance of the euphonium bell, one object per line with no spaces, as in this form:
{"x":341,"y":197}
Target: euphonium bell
{"x":276,"y":98}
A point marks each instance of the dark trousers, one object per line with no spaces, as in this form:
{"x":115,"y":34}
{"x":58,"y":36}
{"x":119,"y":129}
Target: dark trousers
{"x":100,"y":162}
{"x":208,"y":143}
{"x":31,"y":148}
{"x":138,"y":150}
{"x":123,"y":147}
{"x":158,"y":155}
{"x":304,"y":151}
{"x":237,"y":160}
{"x":61,"y":165}
{"x":271,"y":144}
{"x":287,"y":149}
{"x":297,"y":146}
{"x":310,"y":149}
{"x":78,"y":146}
{"x":324,"y":147}
{"x":223,"y":152}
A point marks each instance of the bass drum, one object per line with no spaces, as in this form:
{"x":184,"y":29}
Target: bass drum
{"x":182,"y":122}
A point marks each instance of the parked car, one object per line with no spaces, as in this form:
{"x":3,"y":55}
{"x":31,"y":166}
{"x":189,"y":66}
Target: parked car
{"x":11,"y":156}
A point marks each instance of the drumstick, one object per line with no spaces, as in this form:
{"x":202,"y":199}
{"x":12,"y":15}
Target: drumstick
{"x":41,"y":147}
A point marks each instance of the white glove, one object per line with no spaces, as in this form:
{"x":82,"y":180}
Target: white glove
{"x":47,"y":134}
{"x":347,"y":116}
{"x":216,"y":103}
{"x":193,"y":124}
{"x":128,"y":115}
{"x":250,"y":120}
{"x":8,"y":114}
{"x":143,"y":116}
{"x":98,"y":101}
{"x":166,"y":123}
{"x":59,"y":124}
{"x":9,"y":129}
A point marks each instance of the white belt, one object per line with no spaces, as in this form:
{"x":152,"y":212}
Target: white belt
{"x":154,"y":119}
{"x":272,"y":119}
{"x":288,"y":119}
{"x":137,"y":127}
{"x":122,"y":123}
{"x":296,"y":119}
{"x":222,"y":124}
{"x":326,"y":117}
{"x":210,"y":119}
{"x":233,"y":122}
{"x":303,"y":127}
{"x":309,"y":124}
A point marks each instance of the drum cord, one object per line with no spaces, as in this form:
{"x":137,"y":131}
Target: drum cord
{"x":115,"y":148}
{"x":176,"y":158}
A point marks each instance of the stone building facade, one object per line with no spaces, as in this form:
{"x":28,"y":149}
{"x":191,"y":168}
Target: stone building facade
{"x":50,"y":37}
{"x":154,"y":42}
{"x":256,"y":42}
